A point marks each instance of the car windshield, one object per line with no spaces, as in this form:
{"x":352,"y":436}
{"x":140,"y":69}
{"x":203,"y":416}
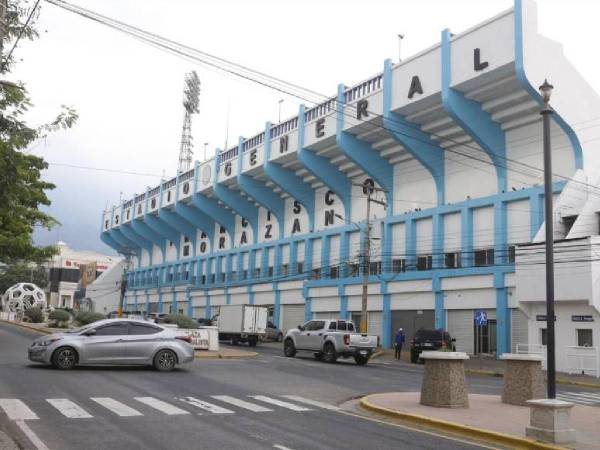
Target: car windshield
{"x":429,"y":335}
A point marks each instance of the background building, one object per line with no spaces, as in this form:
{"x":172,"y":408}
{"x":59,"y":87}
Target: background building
{"x":70,"y":272}
{"x":452,"y":136}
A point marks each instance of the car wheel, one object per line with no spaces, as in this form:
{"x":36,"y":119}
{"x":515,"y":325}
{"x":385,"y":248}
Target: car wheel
{"x":289,"y":349}
{"x":319,"y":356}
{"x":329,"y":353}
{"x":64,"y":358}
{"x":165,"y":360}
{"x":361,"y":360}
{"x":280,"y":337}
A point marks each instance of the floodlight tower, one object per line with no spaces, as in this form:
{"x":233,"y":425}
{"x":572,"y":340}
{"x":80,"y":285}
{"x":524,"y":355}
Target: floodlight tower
{"x":191,"y":101}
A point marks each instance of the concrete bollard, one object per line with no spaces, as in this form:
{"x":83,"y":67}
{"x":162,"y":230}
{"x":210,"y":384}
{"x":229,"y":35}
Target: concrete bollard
{"x":444,"y":380}
{"x":523,"y":378}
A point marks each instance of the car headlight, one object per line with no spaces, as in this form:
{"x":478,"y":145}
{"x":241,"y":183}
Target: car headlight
{"x":47,"y":342}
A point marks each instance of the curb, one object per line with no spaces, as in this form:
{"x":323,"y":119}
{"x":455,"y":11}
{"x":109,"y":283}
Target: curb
{"x":377,"y":354}
{"x":491,"y":373}
{"x":464,"y":431}
{"x":28,"y":327}
{"x":222,"y":356}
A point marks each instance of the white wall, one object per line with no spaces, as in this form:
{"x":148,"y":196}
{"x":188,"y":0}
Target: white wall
{"x":291,"y":216}
{"x":483,"y":227}
{"x":414,"y":187}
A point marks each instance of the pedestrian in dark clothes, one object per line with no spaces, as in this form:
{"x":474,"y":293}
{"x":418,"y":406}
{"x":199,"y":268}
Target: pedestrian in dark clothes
{"x":398,"y":341}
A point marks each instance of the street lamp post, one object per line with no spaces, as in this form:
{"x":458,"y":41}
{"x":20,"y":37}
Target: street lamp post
{"x":546,"y":91}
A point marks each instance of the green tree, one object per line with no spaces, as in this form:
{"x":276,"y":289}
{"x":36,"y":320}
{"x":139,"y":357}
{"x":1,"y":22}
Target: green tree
{"x":22,"y":189}
{"x":21,"y":273}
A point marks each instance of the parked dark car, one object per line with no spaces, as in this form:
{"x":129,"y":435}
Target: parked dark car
{"x":272,"y":333}
{"x":426,"y":339}
{"x":204,"y":322}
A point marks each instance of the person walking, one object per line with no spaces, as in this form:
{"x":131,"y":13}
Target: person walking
{"x":398,"y":341}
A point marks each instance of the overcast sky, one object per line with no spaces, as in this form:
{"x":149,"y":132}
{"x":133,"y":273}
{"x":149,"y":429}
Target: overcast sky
{"x":128,"y":94}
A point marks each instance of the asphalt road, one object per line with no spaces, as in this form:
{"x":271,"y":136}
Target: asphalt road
{"x":120,"y":408}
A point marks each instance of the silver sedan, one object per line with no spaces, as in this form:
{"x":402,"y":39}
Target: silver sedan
{"x":114,"y":341}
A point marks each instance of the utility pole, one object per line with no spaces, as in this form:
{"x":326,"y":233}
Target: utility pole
{"x":368,"y":188}
{"x":546,"y":91}
{"x":123,"y":286}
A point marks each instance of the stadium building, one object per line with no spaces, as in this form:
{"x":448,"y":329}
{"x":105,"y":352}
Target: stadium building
{"x":453,"y":138}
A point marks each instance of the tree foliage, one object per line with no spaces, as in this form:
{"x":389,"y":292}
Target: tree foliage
{"x":22,"y":188}
{"x":22,"y":273}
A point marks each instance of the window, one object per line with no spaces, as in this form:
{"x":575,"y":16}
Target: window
{"x":341,"y":325}
{"x":399,"y":265}
{"x":300,"y":267}
{"x":484,"y":257}
{"x":168,"y":196}
{"x":316,"y":274}
{"x":170,"y":277}
{"x":353,"y":269}
{"x":138,"y":329}
{"x":284,"y":269}
{"x":568,"y":222}
{"x":424,"y":262}
{"x":584,"y":338}
{"x":452,"y":260}
{"x":212,"y":278}
{"x":512,"y":251}
{"x":203,"y":281}
{"x":244,"y":274}
{"x":186,"y":250}
{"x":257,"y":272}
{"x":332,"y":326}
{"x":233,"y":276}
{"x":115,"y":329}
{"x":314,"y":325}
{"x":350,"y":326}
{"x":186,"y":239}
{"x":375,"y":267}
{"x":334,"y":272}
{"x":186,"y":275}
{"x":544,"y":336}
{"x":270,"y":271}
{"x":222,"y":278}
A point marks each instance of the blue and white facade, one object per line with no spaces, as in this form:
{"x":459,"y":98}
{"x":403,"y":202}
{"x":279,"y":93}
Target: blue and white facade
{"x":453,"y":136}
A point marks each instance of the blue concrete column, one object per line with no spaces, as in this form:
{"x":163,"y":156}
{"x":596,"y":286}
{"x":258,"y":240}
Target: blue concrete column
{"x":174,"y":303}
{"x":307,"y":304}
{"x":277,"y":305}
{"x":294,"y":258}
{"x":207,"y":306}
{"x":190,"y":307}
{"x":227,"y":296}
{"x":440,"y":309}
{"x":250,"y":295}
{"x":147,"y":302}
{"x":466,"y":237}
{"x":536,"y":212}
{"x":386,"y":333}
{"x":502,"y":315}
{"x":410,"y":230}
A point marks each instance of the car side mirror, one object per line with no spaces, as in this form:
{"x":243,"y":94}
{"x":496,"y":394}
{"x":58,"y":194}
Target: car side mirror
{"x":300,"y":327}
{"x":91,"y":332}
{"x":452,"y":340}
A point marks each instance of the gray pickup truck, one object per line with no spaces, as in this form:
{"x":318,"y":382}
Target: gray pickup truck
{"x":329,"y":340}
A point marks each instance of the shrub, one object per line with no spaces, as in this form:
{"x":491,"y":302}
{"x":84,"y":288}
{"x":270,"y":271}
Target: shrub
{"x":34,"y":315}
{"x":87,"y":317}
{"x":59,"y":315}
{"x":181,"y":320}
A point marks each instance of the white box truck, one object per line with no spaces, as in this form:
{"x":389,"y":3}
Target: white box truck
{"x":242,"y":323}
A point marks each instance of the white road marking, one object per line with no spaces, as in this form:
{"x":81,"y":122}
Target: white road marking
{"x":15,"y":409}
{"x":118,"y":408}
{"x":210,"y":407}
{"x":587,"y":395}
{"x":69,"y":409}
{"x":274,"y":401}
{"x":33,"y":438}
{"x":241,"y":403}
{"x":568,"y":398}
{"x":164,"y":407}
{"x":310,"y":402}
{"x":281,"y":447}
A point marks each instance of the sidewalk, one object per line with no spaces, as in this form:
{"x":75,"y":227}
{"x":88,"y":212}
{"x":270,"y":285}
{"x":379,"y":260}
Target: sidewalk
{"x":487,"y":419}
{"x":487,"y":365}
{"x":225,"y":353}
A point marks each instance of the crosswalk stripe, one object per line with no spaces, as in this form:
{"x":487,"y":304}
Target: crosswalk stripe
{"x":588,"y":395}
{"x":69,"y":409}
{"x":115,"y":406}
{"x":308,"y":401}
{"x":241,"y":403}
{"x":164,"y":407}
{"x":274,"y":401}
{"x":15,"y":409}
{"x":573,"y":399}
{"x":210,"y":407}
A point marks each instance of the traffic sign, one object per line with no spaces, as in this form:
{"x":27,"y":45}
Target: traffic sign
{"x":480,"y":318}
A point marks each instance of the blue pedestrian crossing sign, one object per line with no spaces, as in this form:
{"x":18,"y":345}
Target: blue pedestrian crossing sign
{"x":480,"y":318}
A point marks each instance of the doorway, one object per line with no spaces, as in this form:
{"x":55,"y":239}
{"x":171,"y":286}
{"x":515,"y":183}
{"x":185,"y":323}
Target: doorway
{"x":485,"y":338}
